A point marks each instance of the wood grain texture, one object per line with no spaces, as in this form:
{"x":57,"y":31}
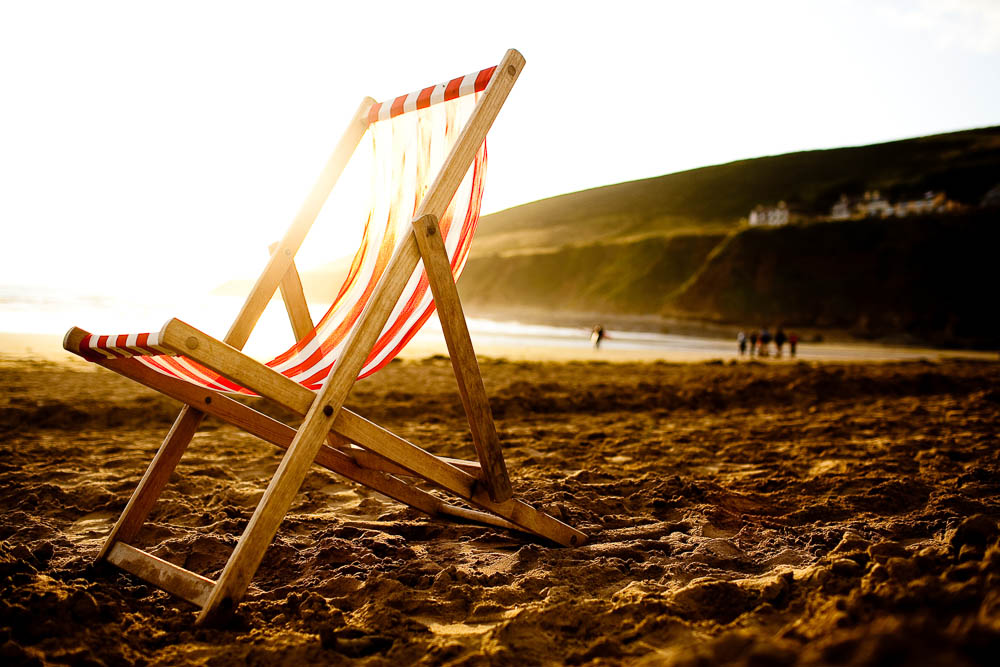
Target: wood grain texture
{"x":185,"y":584}
{"x":463,"y":357}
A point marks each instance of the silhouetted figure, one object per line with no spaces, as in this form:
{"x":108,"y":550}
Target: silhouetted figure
{"x":779,"y":340}
{"x":597,"y":336}
{"x":741,"y":341}
{"x":765,"y":341}
{"x":793,"y":342}
{"x":753,"y":343}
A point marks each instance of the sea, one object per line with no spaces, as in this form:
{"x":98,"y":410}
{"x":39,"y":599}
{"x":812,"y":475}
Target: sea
{"x":51,"y":311}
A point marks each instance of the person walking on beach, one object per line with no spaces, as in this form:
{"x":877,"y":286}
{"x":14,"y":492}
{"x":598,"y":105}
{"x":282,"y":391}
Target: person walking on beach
{"x":753,"y":342}
{"x":765,"y":341}
{"x":597,"y":336}
{"x":793,"y":342}
{"x":779,"y":340}
{"x":741,"y":341}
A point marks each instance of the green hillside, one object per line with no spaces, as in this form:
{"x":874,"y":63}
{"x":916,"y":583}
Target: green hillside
{"x":677,"y":246}
{"x":962,"y":164}
{"x":623,"y":278}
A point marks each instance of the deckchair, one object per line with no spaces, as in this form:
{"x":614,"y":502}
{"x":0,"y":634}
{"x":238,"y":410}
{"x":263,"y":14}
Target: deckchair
{"x":378,"y":309}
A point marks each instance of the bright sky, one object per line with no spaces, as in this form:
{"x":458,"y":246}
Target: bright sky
{"x":167,"y":144}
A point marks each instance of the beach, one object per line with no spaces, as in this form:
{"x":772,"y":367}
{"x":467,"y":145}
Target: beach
{"x":761,"y":513}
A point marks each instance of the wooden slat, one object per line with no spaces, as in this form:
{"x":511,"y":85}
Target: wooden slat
{"x":185,"y":584}
{"x":529,"y":519}
{"x":295,"y":300}
{"x":419,"y":462}
{"x":463,"y":357}
{"x":277,"y":267}
{"x":480,"y":517}
{"x":368,"y":459}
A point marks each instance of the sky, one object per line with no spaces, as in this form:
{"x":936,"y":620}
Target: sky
{"x":160,"y":147}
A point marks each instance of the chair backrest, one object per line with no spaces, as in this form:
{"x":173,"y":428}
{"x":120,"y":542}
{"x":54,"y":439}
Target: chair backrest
{"x":408,"y":148}
{"x":410,"y":137}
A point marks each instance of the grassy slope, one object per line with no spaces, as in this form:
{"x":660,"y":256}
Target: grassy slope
{"x":632,"y":277}
{"x":635,"y":244}
{"x":963,"y":164}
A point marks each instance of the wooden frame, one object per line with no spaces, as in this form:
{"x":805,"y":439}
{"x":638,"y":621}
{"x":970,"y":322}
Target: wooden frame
{"x":330,"y":435}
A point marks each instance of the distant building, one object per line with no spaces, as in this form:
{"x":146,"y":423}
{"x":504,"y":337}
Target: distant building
{"x":874,"y":205}
{"x":932,"y":202}
{"x":771,"y":216}
{"x":842,"y":210}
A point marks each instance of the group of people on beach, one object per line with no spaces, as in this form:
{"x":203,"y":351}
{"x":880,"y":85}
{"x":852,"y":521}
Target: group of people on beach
{"x":758,"y":343}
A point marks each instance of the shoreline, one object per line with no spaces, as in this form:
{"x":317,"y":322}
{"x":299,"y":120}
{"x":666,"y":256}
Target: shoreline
{"x":48,"y":347}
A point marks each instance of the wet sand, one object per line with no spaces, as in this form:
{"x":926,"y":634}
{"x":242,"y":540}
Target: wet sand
{"x":752,"y":514}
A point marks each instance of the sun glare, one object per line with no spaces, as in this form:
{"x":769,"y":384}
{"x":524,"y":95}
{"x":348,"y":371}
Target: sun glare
{"x":160,"y":151}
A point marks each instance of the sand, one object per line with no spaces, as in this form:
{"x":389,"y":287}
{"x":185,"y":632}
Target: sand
{"x":752,"y":514}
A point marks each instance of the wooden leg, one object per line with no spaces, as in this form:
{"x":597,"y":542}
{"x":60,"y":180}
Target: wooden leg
{"x":295,"y":300}
{"x":156,"y":477}
{"x":270,"y":512}
{"x":463,"y":357}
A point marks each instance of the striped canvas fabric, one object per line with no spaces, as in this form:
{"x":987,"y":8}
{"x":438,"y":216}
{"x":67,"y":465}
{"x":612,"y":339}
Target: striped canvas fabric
{"x":409,"y":148}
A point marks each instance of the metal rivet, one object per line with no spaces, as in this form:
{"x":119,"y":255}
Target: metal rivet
{"x":328,"y":410}
{"x":192,"y":343}
{"x":430,"y":230}
{"x":208,"y":399}
{"x":511,"y":70}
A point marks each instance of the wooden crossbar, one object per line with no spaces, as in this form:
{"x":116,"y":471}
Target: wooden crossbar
{"x":174,"y":579}
{"x":295,"y":300}
{"x":427,"y":235}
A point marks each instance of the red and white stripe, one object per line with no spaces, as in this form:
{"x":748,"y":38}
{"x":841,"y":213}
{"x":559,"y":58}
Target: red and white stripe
{"x":123,"y":346}
{"x":402,"y":149}
{"x":425,"y":97}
